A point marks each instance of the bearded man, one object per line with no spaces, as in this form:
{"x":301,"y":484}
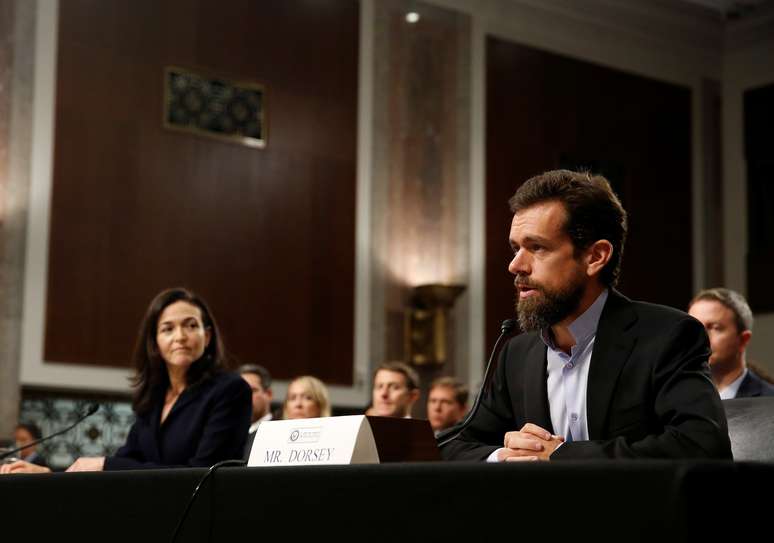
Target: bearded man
{"x":594,"y":375}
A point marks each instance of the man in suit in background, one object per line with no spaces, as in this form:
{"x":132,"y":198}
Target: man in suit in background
{"x":395,"y":390}
{"x":447,"y":403}
{"x":595,"y":375}
{"x":259,"y":380}
{"x":728,"y":320}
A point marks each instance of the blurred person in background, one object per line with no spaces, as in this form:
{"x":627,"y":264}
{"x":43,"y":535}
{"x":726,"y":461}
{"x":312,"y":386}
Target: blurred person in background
{"x":395,"y":390}
{"x":447,"y":403}
{"x":728,"y":320}
{"x":27,"y":433}
{"x":259,"y":380}
{"x":307,"y":398}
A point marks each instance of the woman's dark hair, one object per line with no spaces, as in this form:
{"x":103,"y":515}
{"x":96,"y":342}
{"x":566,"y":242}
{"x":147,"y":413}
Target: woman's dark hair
{"x":594,"y":212}
{"x":150,"y":369}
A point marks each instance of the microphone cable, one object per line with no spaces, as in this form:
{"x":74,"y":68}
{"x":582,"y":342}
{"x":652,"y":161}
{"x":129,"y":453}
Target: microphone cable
{"x":192,"y":499}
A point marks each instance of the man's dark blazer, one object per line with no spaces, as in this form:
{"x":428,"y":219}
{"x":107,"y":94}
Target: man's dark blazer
{"x":753,"y":386}
{"x":649,"y":393}
{"x":208,"y":423}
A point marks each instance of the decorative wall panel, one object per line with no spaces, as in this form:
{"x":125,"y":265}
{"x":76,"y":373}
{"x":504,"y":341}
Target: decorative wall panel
{"x":215,"y":107}
{"x":99,"y":435}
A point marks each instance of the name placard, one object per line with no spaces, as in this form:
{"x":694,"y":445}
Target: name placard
{"x":304,"y":442}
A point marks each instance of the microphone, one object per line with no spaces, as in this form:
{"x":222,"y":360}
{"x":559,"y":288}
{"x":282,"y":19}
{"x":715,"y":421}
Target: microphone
{"x":90,"y":410}
{"x":449,"y":434}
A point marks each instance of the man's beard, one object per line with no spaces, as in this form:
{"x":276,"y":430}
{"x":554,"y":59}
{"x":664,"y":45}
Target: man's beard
{"x":543,"y":310}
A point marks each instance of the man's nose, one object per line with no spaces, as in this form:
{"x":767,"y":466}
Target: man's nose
{"x":519,"y":264}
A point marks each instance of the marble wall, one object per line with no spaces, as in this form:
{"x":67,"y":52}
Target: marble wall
{"x":421,"y":168}
{"x":17,"y":23}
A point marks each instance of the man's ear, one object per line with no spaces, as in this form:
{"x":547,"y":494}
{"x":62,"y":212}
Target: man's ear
{"x":744,"y":340}
{"x":598,"y":255}
{"x":414,"y":395}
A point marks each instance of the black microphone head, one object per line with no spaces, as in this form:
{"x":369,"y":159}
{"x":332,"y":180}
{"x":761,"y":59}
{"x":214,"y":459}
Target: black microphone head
{"x":507,"y":326}
{"x":91,"y":409}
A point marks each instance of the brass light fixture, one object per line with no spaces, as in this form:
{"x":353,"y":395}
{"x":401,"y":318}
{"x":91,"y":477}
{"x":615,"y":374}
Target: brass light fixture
{"x":425,"y":323}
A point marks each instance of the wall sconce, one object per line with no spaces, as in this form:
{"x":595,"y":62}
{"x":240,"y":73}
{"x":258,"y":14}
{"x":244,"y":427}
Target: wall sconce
{"x":425,"y":323}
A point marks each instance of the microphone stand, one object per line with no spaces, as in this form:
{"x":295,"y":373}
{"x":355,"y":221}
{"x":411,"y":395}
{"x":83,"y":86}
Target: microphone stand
{"x":452,"y":433}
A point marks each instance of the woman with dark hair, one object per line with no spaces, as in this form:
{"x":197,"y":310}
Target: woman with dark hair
{"x":190,"y":411}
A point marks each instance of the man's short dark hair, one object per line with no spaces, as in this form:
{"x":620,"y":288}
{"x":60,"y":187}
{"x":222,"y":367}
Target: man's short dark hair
{"x":594,"y":212}
{"x":31,"y":428}
{"x":459,"y":388}
{"x":258,"y":370}
{"x":731,"y":299}
{"x":412,"y":377}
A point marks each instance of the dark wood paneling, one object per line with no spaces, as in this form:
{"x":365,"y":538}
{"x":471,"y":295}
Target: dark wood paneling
{"x":266,"y":236}
{"x":713,"y":197}
{"x":546,"y":111}
{"x":759,"y":156}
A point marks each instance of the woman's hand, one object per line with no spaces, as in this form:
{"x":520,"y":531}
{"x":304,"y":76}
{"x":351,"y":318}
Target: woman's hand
{"x":20,"y":466}
{"x":88,"y":463}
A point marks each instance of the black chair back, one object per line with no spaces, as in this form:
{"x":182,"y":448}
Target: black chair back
{"x":751,"y":428}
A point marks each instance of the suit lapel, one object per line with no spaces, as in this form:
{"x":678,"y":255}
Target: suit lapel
{"x":536,"y":408}
{"x":612,"y":346}
{"x":185,"y":398}
{"x":155,"y":424}
{"x":750,"y":387}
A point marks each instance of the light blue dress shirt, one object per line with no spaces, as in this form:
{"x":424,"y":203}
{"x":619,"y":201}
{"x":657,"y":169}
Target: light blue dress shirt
{"x":568,"y":375}
{"x":730,"y":392}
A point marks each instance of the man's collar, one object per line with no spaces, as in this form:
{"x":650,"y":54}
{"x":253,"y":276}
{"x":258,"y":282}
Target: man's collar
{"x":584,"y":326}
{"x":254,"y":426}
{"x":732,"y":389}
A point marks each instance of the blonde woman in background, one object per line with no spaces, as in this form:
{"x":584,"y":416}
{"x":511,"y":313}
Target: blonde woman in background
{"x":307,"y":398}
